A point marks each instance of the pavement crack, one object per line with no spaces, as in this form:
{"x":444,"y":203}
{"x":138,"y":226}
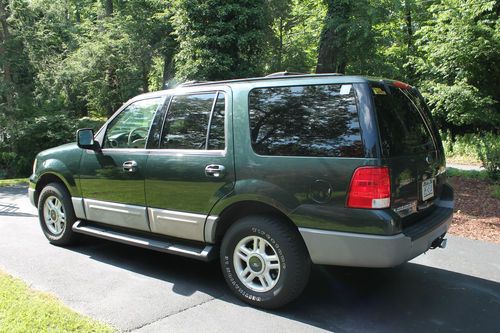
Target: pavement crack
{"x":170,"y":315}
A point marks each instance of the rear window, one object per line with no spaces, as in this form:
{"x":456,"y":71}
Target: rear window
{"x":403,"y":130}
{"x":315,"y":120}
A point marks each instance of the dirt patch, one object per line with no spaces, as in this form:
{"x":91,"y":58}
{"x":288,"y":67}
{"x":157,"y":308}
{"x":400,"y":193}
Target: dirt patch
{"x":477,"y":213}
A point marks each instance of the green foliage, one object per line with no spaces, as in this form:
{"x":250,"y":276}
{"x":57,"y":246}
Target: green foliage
{"x":461,"y":148}
{"x":13,"y":181}
{"x":461,"y":104}
{"x":473,"y":174}
{"x":459,"y":63}
{"x":472,"y":148}
{"x":79,"y":58}
{"x":219,"y":39}
{"x":36,"y":134}
{"x":7,"y":164}
{"x":495,"y":191}
{"x":488,"y":148}
{"x":296,"y":27}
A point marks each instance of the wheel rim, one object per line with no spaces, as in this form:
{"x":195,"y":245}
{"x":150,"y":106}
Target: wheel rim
{"x":256,"y":263}
{"x":54,"y":216}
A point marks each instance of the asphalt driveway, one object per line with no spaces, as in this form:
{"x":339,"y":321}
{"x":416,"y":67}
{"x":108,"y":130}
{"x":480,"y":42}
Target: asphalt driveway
{"x":456,"y":289}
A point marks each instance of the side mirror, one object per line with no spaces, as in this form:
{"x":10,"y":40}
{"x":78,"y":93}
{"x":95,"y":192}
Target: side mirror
{"x":85,"y":139}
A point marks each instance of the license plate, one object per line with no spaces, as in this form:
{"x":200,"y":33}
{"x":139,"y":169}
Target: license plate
{"x":427,"y":189}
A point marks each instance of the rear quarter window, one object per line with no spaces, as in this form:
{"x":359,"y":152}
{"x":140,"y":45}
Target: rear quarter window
{"x":313,"y":120}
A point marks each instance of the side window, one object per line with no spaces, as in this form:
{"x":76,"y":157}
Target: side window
{"x":216,"y":135}
{"x":316,"y":120}
{"x":130,"y":128}
{"x":188,"y":120}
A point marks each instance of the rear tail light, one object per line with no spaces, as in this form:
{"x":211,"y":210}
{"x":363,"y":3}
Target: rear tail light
{"x":370,"y":188}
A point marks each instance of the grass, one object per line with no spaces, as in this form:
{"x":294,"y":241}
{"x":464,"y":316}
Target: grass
{"x":25,"y":310}
{"x":482,"y":175}
{"x":495,"y":191}
{"x":15,"y":181}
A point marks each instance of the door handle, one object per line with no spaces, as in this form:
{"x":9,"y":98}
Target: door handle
{"x":215,"y":170}
{"x":130,"y":166}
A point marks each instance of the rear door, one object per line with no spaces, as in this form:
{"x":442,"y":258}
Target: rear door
{"x":411,"y":147}
{"x":190,"y":167}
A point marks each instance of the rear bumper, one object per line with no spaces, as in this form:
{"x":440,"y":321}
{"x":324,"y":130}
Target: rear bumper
{"x":364,"y":250}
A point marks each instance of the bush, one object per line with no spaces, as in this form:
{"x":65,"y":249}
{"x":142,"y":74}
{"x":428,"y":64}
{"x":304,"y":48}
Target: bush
{"x":488,"y":148}
{"x":461,"y":148}
{"x":31,"y":136}
{"x":7,"y":164}
{"x":470,"y":148}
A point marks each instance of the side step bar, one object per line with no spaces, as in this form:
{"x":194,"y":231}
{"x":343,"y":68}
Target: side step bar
{"x":206,"y":253}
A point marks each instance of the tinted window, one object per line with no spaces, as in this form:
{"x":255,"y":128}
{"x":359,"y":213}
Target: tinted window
{"x":187,"y":122}
{"x":402,"y":128}
{"x":130,"y":128}
{"x":320,"y":120}
{"x":216,"y":137}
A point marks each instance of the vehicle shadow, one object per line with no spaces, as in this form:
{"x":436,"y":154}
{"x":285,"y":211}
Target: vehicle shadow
{"x":409,"y":298}
{"x":10,"y":199}
{"x":13,"y":192}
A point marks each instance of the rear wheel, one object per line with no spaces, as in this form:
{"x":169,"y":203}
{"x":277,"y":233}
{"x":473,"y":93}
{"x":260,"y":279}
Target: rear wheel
{"x":264,"y":261}
{"x":56,"y":214}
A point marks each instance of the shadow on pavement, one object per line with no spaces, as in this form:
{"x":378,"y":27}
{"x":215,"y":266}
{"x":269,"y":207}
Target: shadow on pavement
{"x":10,"y":198}
{"x":409,"y":298}
{"x":16,"y":191}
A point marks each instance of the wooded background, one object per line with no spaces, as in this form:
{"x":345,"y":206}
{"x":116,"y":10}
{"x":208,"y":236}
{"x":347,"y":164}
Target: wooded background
{"x":66,"y":64}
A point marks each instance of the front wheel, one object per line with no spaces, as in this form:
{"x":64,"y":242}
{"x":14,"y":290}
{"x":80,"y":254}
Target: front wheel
{"x":264,"y":261}
{"x":56,"y":214}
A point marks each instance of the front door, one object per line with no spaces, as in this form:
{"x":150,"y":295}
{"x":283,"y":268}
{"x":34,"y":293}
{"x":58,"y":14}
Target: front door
{"x":112,"y":180}
{"x":191,"y":166}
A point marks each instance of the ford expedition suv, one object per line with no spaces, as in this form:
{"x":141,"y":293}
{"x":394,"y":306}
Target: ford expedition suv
{"x":267,"y":174}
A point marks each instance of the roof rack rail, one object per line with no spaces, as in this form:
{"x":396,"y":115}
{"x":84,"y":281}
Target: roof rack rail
{"x":189,"y":83}
{"x":285,"y":73}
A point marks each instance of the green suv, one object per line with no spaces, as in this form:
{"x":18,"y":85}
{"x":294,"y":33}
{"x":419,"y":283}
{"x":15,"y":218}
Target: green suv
{"x":268,"y":174}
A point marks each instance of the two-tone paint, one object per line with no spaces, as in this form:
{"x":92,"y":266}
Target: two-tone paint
{"x":170,"y":194}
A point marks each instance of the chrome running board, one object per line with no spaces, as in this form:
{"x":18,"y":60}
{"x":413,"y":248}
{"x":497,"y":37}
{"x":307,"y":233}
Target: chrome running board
{"x":204,"y":253}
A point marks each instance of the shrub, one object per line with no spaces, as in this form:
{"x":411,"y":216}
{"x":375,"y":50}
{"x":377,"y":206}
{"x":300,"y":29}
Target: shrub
{"x":31,"y":136}
{"x":488,"y":148}
{"x":462,"y":148}
{"x":7,"y":164}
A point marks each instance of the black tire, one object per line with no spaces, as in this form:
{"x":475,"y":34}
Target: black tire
{"x":67,"y":236}
{"x":294,"y":263}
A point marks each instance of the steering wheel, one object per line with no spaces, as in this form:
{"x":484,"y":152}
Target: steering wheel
{"x":131,"y":142}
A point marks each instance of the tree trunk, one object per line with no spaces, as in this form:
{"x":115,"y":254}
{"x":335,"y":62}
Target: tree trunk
{"x":145,"y":78}
{"x":332,"y":55}
{"x":4,"y":54}
{"x":108,"y":7}
{"x":410,"y":72}
{"x":111,"y":77}
{"x":78,"y":12}
{"x":112,"y":83}
{"x":4,"y":41}
{"x":280,"y":48}
{"x":168,"y":67}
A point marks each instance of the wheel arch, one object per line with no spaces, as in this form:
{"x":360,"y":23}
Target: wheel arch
{"x":239,"y":209}
{"x":48,"y":178}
